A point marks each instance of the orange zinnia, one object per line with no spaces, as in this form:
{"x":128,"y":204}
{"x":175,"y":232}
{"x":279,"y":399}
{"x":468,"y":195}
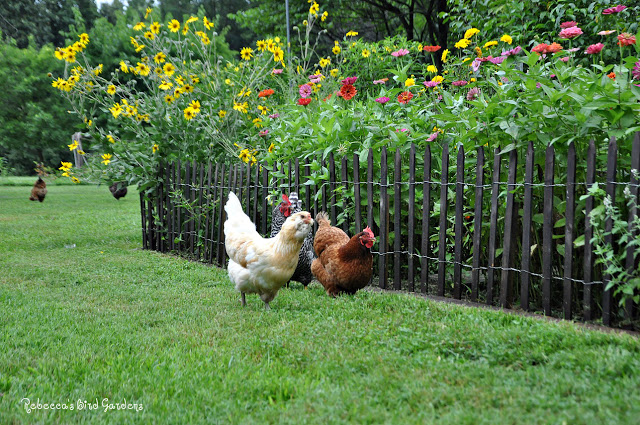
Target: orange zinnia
{"x":431,"y":49}
{"x":405,"y":97}
{"x":347,"y":91}
{"x":266,"y":93}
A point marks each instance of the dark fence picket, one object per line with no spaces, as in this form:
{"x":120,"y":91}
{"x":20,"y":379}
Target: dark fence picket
{"x":370,"y":221}
{"x":256,"y":202}
{"x":198,"y":234}
{"x":411,"y":219}
{"x":477,"y":224}
{"x":384,"y":215}
{"x":324,"y":191}
{"x":493,"y":225}
{"x":458,"y":224}
{"x":397,"y":219}
{"x":356,"y":193}
{"x":631,"y":261}
{"x":307,"y":187}
{"x":159,"y":196}
{"x":343,"y":199}
{"x":612,"y":162}
{"x":527,"y":214}
{"x":547,"y":230}
{"x":296,"y":184}
{"x":222,"y":198}
{"x":567,"y":290}
{"x":508,"y":245}
{"x":444,"y":206}
{"x":332,"y":189}
{"x":180,"y":195}
{"x":265,"y":206}
{"x":247,"y":185}
{"x":143,"y":215}
{"x":192,"y":218}
{"x":168,"y":207}
{"x":426,"y":209}
{"x":588,"y":235}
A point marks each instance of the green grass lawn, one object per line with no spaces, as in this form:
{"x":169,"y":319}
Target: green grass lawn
{"x":107,"y":320}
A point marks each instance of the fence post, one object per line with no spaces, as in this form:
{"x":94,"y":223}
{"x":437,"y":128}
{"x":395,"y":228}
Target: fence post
{"x":493,"y":224}
{"x":411,"y":217}
{"x":397,"y":216}
{"x":588,"y":234}
{"x":384,"y":212}
{"x":442,"y":246}
{"x":477,"y":224}
{"x":607,"y":296}
{"x":568,"y":231}
{"x":526,"y":229}
{"x":356,"y":192}
{"x":506,"y":284}
{"x":457,"y":265}
{"x":547,"y":230}
{"x":426,"y":209}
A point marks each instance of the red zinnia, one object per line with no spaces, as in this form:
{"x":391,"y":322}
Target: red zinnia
{"x":626,"y":39}
{"x":405,"y":97}
{"x":431,"y":49}
{"x":266,"y":93}
{"x":544,"y":49}
{"x":612,"y":75}
{"x":347,"y":91}
{"x":303,"y":101}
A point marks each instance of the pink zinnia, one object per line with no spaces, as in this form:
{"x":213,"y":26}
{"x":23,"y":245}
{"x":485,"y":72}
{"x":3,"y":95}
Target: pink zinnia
{"x":568,"y":33}
{"x":305,"y":90}
{"x":594,"y":49}
{"x":565,"y":59}
{"x":382,"y":100}
{"x":315,"y":78}
{"x":430,"y":84}
{"x":432,"y":137}
{"x":513,"y":51}
{"x":274,"y":116}
{"x":607,"y":32}
{"x":568,"y":24}
{"x":619,"y":8}
{"x":349,"y":81}
{"x":460,"y":83}
{"x":401,"y":52}
{"x":475,"y":65}
{"x":497,"y":60}
{"x":626,"y":39}
{"x":381,"y":81}
{"x":473,"y":93}
{"x":264,"y":132}
{"x":276,"y":71}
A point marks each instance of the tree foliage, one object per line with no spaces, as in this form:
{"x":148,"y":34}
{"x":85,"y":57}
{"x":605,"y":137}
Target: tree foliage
{"x":36,"y":124}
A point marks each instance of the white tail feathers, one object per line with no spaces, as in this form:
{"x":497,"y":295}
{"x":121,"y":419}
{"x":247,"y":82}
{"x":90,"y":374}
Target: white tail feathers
{"x":236,"y":218}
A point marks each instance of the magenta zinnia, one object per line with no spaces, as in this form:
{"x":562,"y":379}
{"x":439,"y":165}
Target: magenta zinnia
{"x":568,"y":24}
{"x":611,"y":10}
{"x":382,"y":100}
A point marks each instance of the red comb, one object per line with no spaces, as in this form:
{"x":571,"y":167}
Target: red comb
{"x":368,"y":231}
{"x":285,"y":198}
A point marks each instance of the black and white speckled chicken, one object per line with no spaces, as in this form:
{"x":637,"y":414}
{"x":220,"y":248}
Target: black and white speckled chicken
{"x":291,"y":205}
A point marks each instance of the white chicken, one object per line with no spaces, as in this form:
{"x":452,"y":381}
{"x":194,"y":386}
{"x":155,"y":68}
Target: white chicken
{"x":259,"y":265}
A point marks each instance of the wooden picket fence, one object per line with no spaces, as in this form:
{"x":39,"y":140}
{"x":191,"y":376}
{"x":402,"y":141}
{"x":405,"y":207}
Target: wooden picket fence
{"x":488,"y":255}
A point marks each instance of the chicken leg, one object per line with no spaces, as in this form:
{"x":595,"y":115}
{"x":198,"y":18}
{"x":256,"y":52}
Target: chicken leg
{"x":243,"y":300}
